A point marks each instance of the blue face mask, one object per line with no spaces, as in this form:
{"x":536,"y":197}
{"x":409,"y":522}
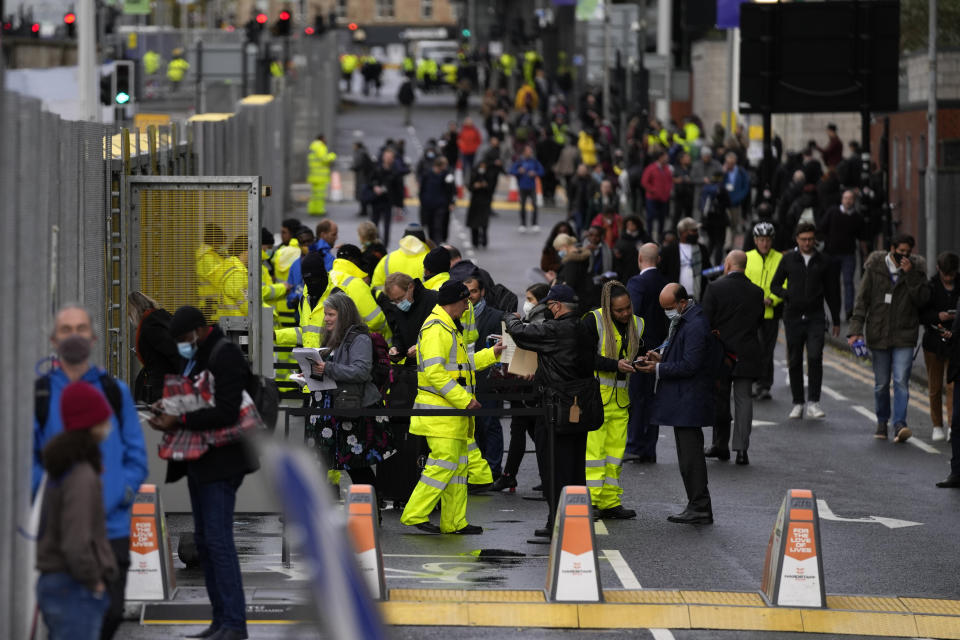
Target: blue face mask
{"x":403,"y":305}
{"x":187,"y":350}
{"x":562,"y":253}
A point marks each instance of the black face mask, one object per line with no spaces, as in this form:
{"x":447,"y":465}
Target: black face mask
{"x":693,"y":238}
{"x":316,"y":285}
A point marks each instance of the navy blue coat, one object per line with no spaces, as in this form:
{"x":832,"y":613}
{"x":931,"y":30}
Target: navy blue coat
{"x":687,"y":374}
{"x":644,"y":290}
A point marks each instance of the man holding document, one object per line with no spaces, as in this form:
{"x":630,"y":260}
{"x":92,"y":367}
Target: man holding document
{"x":446,"y":377}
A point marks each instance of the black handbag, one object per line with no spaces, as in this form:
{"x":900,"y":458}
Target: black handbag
{"x":579,"y":405}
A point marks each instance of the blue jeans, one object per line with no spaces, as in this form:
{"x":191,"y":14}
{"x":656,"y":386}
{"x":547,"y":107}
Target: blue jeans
{"x":213,"y":504}
{"x":899,"y":360}
{"x":70,"y":610}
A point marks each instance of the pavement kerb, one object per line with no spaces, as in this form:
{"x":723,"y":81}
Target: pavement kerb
{"x":636,"y":609}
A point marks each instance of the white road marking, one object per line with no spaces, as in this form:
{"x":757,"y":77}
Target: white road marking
{"x":833,"y":394}
{"x":627,"y":578}
{"x":763,"y":423}
{"x":599,"y":528}
{"x":891,"y":523}
{"x":917,"y":442}
{"x":661,"y":634}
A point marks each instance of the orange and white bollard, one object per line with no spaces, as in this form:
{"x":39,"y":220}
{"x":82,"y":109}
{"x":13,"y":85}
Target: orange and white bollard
{"x":336,"y":187}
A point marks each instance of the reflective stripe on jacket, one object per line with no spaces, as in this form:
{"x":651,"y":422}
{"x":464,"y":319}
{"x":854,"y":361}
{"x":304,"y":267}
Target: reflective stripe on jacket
{"x":760,"y":272}
{"x":610,"y":386}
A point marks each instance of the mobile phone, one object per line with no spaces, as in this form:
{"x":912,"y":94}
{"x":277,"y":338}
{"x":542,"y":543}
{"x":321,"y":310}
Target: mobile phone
{"x":642,"y":360}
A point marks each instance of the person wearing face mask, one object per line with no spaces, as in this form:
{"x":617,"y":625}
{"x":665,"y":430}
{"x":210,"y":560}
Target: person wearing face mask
{"x":209,"y":257}
{"x":155,"y":349}
{"x":685,"y":367}
{"x":317,"y":288}
{"x":534,"y":312}
{"x":482,"y":187}
{"x":74,"y":556}
{"x":887,"y":311}
{"x":123,"y":451}
{"x":938,"y":317}
{"x":804,"y":280}
{"x":686,"y":261}
{"x":347,"y":275}
{"x":625,"y":257}
{"x":574,"y":265}
{"x":214,"y":478}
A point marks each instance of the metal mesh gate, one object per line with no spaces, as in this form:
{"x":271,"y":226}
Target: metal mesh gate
{"x":196,"y":241}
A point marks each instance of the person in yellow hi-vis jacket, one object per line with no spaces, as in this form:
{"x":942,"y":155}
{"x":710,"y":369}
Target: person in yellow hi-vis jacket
{"x":209,"y":258}
{"x":319,"y":161}
{"x":446,"y":376}
{"x":233,"y":281}
{"x":348,"y":276}
{"x":619,"y":339}
{"x":407,"y":259}
{"x":315,"y":278}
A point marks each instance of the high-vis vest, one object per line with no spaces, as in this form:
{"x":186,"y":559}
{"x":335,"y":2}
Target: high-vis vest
{"x":232,"y":288}
{"x":319,"y":160}
{"x":446,"y":377}
{"x":399,"y":261}
{"x":176,"y":69}
{"x":311,"y":323}
{"x":760,"y":272}
{"x":469,"y":318}
{"x":610,"y":387}
{"x":283,"y":258}
{"x":349,"y":277}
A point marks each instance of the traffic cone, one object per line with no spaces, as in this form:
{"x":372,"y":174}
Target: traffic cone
{"x":336,"y":187}
{"x":458,"y":177}
{"x":539,"y":193}
{"x":513,"y":195}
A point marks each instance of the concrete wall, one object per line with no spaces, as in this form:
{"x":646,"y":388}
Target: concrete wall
{"x":30,"y":53}
{"x":914,"y":78}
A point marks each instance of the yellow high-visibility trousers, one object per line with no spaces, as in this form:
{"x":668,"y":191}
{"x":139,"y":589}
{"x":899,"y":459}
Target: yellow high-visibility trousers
{"x":604,"y":462}
{"x":478,"y":469}
{"x":444,"y":478}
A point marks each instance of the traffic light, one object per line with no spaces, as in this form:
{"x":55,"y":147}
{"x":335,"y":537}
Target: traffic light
{"x":465,"y":33}
{"x":106,"y":90}
{"x":261,"y":19}
{"x":308,"y":31}
{"x":35,"y":30}
{"x":283,"y":27}
{"x":70,"y":20}
{"x":318,"y":25}
{"x":254,"y":28}
{"x":353,"y":26}
{"x":123,"y":82}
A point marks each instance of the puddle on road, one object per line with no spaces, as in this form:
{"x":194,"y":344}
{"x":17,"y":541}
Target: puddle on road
{"x":480,"y":567}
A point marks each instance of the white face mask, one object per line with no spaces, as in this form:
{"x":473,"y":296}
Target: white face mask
{"x":527,"y":307}
{"x":671,"y":313}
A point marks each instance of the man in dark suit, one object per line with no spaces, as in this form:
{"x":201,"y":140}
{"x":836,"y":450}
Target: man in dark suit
{"x":734,"y":306}
{"x":685,"y":261}
{"x":684,"y":397}
{"x":644,"y":289}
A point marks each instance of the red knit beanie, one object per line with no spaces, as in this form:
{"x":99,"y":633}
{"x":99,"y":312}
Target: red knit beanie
{"x":83,"y":406}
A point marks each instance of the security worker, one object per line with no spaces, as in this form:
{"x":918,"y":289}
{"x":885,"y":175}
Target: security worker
{"x":347,"y":275}
{"x":348,"y":64}
{"x":422,"y":73}
{"x":445,"y":377}
{"x":151,"y":62}
{"x":762,"y":263}
{"x":407,"y":259}
{"x":619,"y":339}
{"x":276,"y":69}
{"x":319,"y":161}
{"x":449,"y":71}
{"x":282,"y":259}
{"x":315,"y":279}
{"x":177,"y":67}
{"x":209,"y":260}
{"x":271,"y":290}
{"x":531,"y":62}
{"x":232,"y":281}
{"x":436,"y":272}
{"x":433,"y":73}
{"x":508,"y":64}
{"x":409,"y":67}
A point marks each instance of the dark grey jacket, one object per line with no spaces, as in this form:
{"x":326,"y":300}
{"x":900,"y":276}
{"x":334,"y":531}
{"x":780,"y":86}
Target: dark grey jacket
{"x":352,"y":364}
{"x":887,"y":325}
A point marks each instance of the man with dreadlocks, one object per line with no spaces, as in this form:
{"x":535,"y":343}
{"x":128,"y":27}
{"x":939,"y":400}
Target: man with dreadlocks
{"x":619,"y":337}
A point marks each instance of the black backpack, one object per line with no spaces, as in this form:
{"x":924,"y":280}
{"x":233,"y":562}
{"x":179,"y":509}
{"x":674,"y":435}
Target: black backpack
{"x":41,"y":398}
{"x":263,"y":391}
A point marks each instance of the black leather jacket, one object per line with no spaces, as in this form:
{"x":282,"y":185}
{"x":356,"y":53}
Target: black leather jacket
{"x":564,"y":350}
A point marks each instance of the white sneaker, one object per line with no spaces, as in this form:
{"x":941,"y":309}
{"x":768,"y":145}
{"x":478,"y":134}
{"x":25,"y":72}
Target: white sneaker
{"x":797,"y":412}
{"x":815,"y":411}
{"x":521,"y":229}
{"x":938,"y":434}
{"x":949,"y":433}
{"x":535,"y":228}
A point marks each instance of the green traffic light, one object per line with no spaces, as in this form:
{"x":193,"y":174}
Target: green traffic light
{"x":466,"y":33}
{"x":122,"y":97}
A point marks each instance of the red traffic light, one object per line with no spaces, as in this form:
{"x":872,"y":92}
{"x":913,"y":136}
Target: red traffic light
{"x":70,"y":18}
{"x":284,"y":15}
{"x":261,"y":18}
{"x":35,"y":27}
{"x":353,"y":26}
{"x":309,"y":31}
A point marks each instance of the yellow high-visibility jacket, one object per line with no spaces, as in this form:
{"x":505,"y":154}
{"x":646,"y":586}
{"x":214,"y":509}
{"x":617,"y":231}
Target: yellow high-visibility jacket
{"x":232,"y":282}
{"x":208,"y":263}
{"x":283,"y":258}
{"x":176,"y":69}
{"x":319,"y":160}
{"x":760,"y":272}
{"x":588,"y":149}
{"x":349,"y":277}
{"x":407,"y":259}
{"x":311,"y":323}
{"x":469,"y":318}
{"x":446,"y":377}
{"x":610,"y":387}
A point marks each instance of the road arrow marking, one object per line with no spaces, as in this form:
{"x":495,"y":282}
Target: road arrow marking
{"x":292,"y":573}
{"x":891,"y":523}
{"x":763,"y":423}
